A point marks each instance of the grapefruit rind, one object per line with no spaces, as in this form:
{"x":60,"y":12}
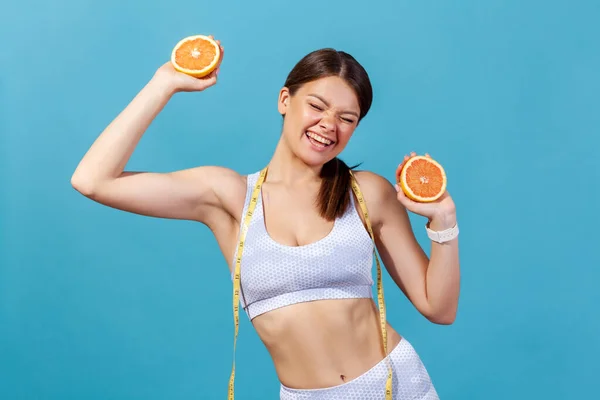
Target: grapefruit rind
{"x":197,"y":73}
{"x":406,"y":189}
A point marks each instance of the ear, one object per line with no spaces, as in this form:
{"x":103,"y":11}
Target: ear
{"x":284,"y":100}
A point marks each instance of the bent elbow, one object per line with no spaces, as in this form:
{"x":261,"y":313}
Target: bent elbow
{"x":83,"y":185}
{"x":447,"y":318}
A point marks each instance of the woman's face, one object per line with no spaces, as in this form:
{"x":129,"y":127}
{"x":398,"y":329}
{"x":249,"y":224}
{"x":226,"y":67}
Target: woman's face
{"x":319,"y":119}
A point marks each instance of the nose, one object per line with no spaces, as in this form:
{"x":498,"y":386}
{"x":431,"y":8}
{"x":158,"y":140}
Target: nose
{"x":327,"y":122}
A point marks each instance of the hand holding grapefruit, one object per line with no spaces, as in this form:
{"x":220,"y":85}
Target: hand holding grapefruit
{"x":421,"y":178}
{"x":196,"y":55}
{"x":194,"y":64}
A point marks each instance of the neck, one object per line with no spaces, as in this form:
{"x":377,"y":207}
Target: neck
{"x":288,"y":169}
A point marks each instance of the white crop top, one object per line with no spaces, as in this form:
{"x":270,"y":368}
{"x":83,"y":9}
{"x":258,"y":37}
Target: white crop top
{"x":274,"y":275}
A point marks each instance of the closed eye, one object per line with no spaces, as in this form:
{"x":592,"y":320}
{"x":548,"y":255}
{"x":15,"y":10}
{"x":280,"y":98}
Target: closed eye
{"x":319,"y":108}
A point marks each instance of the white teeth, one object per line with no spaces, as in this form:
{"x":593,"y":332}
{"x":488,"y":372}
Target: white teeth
{"x":319,"y":138}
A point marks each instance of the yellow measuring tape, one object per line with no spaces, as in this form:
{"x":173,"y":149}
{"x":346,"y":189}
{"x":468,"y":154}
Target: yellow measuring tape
{"x":238,"y":262}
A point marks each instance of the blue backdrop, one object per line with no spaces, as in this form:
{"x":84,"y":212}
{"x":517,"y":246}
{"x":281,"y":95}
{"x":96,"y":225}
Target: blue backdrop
{"x":96,"y":303}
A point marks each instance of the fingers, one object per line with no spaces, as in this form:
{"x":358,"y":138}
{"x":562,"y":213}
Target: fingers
{"x":404,"y":160}
{"x":211,"y":78}
{"x":218,"y":68}
{"x":203,"y":84}
{"x":411,"y":154}
{"x":222,"y":54}
{"x":220,"y":48}
{"x":211,"y":81}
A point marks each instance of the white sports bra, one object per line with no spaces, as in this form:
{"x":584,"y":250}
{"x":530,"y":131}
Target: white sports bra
{"x":274,"y":275}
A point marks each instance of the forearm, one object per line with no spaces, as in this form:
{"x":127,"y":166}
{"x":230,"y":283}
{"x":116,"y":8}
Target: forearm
{"x":443,"y":274}
{"x":109,"y":154}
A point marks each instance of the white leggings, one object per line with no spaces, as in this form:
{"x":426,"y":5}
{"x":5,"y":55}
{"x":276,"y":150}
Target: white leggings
{"x":410,"y":380}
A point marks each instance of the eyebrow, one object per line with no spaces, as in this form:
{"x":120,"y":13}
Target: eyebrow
{"x":327,"y":104}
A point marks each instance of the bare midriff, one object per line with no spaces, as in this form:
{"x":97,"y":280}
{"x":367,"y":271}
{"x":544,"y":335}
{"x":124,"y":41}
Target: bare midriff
{"x":324,"y":343}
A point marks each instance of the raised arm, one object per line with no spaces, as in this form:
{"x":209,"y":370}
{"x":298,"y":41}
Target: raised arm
{"x":195,"y":194}
{"x":432,"y":283}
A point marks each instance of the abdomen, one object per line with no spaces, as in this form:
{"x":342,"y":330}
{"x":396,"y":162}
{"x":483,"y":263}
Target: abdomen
{"x":323,"y":343}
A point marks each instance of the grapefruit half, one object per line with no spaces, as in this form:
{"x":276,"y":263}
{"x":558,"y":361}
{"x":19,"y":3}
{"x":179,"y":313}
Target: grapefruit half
{"x":422,"y":179}
{"x":196,"y":55}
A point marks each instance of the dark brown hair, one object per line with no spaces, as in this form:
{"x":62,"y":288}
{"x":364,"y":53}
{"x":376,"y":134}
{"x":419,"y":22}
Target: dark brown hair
{"x":334,"y":195}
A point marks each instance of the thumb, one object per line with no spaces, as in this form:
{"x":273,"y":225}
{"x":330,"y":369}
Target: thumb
{"x":205,"y":83}
{"x":211,"y":81}
{"x":401,"y":195}
{"x":407,"y":202}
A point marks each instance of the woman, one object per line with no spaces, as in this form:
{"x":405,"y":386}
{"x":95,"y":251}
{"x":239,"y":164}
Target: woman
{"x":307,"y":254}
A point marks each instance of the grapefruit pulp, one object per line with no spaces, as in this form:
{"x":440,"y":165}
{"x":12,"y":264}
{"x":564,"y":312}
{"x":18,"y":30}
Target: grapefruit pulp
{"x":422,"y":179}
{"x":196,"y":55}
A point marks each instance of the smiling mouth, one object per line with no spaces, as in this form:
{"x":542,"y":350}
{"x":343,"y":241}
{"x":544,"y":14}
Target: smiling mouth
{"x":318,"y":140}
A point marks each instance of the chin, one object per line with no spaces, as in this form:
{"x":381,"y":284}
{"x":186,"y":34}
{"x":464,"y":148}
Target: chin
{"x":315,"y":158}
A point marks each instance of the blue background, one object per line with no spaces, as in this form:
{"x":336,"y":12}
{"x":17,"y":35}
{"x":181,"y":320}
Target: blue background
{"x":96,"y":303}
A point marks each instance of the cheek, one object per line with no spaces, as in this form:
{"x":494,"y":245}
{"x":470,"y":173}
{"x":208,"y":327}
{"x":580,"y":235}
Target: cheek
{"x":344,"y":134}
{"x":311,"y":117}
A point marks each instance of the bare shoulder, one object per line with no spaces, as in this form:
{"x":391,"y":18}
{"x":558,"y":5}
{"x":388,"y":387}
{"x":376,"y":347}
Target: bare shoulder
{"x":379,"y":194}
{"x":373,"y":182}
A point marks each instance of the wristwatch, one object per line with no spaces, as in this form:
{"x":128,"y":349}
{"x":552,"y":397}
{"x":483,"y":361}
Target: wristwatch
{"x":442,"y":236}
